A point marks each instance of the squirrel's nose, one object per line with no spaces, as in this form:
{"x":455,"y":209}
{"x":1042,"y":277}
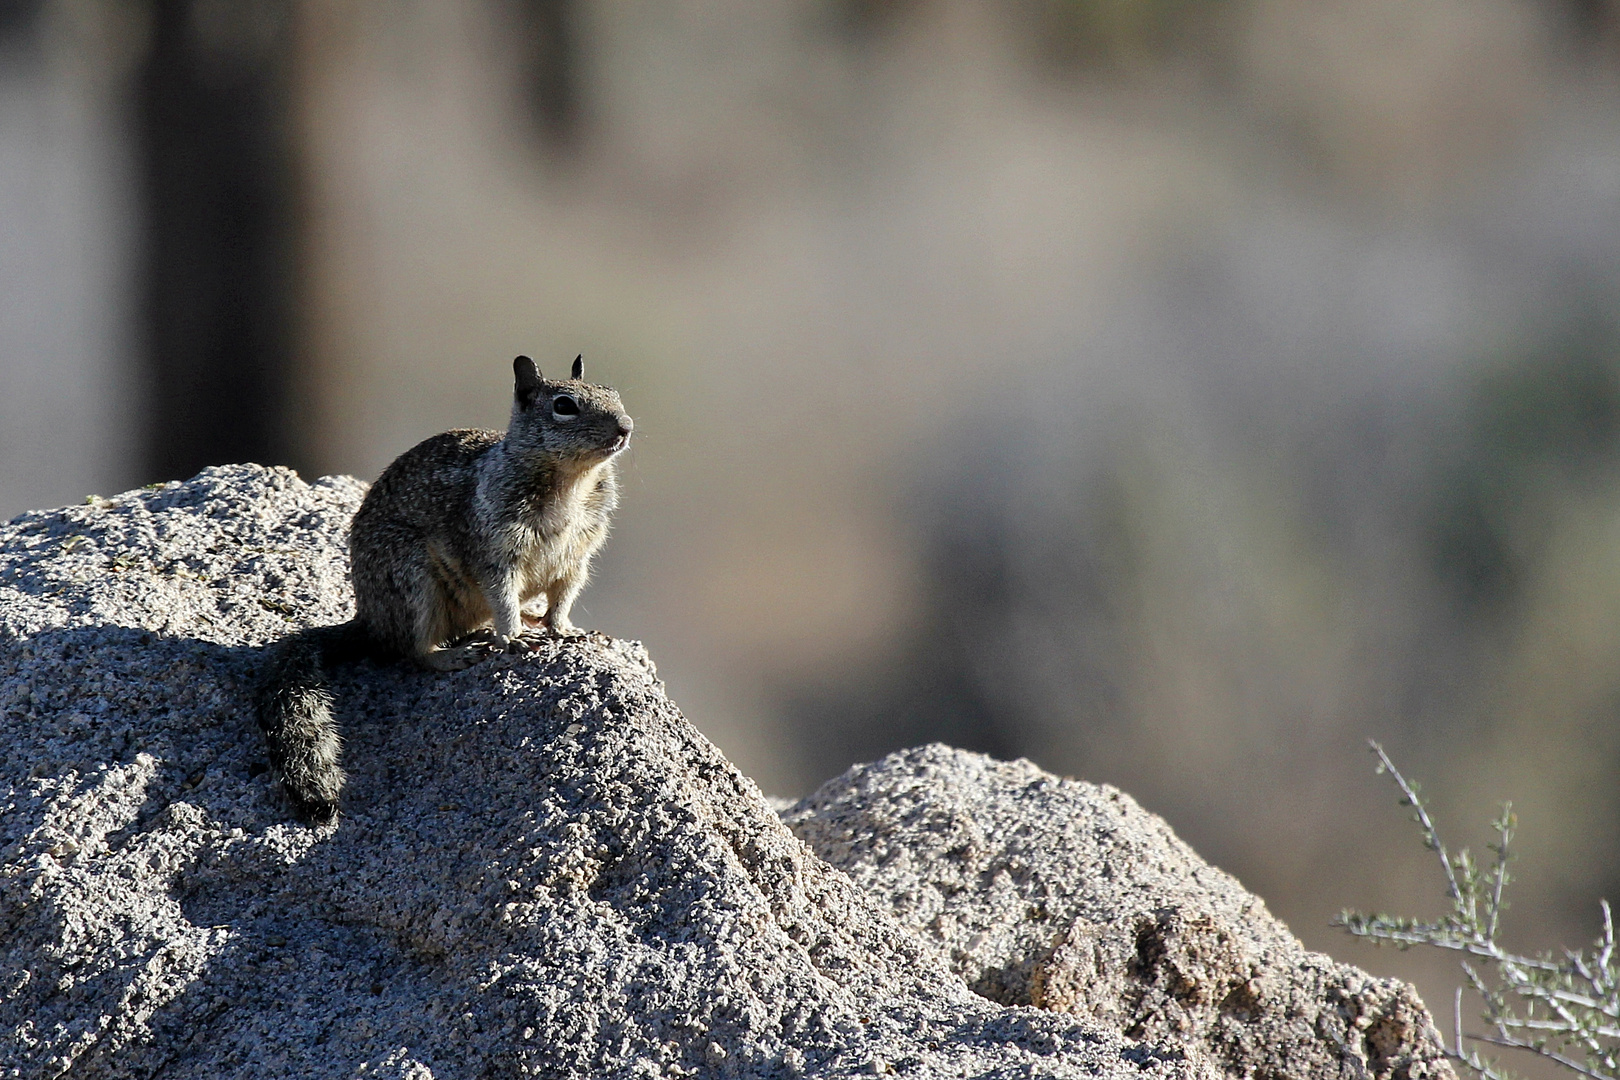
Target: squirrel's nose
{"x":626,"y":425}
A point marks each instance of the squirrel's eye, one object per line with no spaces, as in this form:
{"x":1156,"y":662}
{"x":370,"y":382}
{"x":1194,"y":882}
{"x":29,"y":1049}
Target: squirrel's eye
{"x":563,"y":405}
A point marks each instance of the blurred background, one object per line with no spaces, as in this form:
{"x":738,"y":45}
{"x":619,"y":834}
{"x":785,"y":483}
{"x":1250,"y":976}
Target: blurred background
{"x":1174,"y":392}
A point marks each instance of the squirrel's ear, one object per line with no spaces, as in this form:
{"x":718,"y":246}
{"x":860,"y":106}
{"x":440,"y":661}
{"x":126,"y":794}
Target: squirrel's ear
{"x":528,"y":380}
{"x":579,"y":366}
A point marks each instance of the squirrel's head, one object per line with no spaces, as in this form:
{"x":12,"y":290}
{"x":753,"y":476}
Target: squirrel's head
{"x":568,"y":418}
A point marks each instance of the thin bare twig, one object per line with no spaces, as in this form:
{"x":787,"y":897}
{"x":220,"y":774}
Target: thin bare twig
{"x":1504,"y":832}
{"x":1430,"y":835}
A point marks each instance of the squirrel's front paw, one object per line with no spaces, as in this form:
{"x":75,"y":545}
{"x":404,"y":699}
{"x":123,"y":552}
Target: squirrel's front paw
{"x":513,"y":644}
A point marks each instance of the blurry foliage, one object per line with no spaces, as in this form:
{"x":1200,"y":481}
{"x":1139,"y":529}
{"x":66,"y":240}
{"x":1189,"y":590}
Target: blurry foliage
{"x":19,"y":17}
{"x":1562,"y":1009}
{"x":1541,"y":428}
{"x":1116,"y":33}
{"x":1595,"y":22}
{"x":1021,"y":635}
{"x":1070,"y":35}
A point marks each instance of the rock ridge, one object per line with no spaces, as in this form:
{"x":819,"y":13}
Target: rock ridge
{"x":542,"y":868}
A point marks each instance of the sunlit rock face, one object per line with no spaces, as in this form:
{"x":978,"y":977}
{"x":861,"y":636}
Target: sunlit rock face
{"x":1045,"y":891}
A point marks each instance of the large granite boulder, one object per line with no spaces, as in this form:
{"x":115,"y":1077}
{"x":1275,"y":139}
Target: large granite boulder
{"x":541,"y":868}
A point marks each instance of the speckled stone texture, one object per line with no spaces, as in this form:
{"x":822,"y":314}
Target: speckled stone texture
{"x":1043,"y":891}
{"x":542,"y":869}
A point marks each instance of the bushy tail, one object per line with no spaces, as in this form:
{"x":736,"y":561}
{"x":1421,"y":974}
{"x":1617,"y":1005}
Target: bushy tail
{"x":295,"y":713}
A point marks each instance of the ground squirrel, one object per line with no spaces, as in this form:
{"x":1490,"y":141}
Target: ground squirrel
{"x":462,"y":541}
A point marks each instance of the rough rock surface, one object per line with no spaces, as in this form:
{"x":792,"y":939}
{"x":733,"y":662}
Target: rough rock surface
{"x":541,"y":869}
{"x":1066,"y":895}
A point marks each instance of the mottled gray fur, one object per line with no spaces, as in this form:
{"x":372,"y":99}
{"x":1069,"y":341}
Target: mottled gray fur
{"x":463,"y":541}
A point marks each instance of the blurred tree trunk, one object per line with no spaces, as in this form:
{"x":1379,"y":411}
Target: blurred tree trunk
{"x":549,"y":63}
{"x":216,"y":155}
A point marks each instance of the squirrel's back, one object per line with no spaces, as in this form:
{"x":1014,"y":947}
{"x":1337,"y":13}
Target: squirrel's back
{"x":426,"y":485}
{"x":408,"y":539}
